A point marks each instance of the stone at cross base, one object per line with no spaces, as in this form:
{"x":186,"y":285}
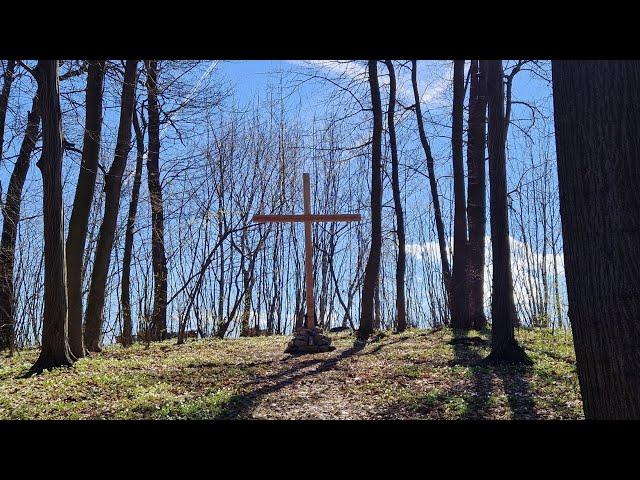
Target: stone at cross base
{"x":309,"y":340}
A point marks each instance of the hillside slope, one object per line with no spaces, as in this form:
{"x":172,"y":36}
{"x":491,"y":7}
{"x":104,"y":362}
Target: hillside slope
{"x":414,"y":375}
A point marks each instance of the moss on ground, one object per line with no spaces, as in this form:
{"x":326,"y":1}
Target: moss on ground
{"x":417,"y":374}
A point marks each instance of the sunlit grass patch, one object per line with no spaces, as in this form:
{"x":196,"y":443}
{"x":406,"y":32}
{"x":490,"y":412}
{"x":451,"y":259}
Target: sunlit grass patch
{"x":415,"y":374}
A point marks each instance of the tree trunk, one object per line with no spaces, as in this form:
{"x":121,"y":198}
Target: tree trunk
{"x":55,"y":351}
{"x":11,"y":215}
{"x":112,"y":187}
{"x":476,"y":197}
{"x":433,"y":184}
{"x":504,"y":347}
{"x":77,"y":235}
{"x":159,"y":260}
{"x":401,"y":304}
{"x":4,"y":100}
{"x":597,"y":118}
{"x":372,"y":269}
{"x":459,"y":300}
{"x":127,"y":324}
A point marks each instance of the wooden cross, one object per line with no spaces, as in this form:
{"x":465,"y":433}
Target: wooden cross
{"x":308,"y":218}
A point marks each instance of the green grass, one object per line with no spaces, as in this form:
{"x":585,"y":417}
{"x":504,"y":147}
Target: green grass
{"x":416,"y":374}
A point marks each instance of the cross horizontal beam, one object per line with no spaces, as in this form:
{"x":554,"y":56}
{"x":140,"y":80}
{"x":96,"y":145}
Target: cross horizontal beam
{"x":355,"y":217}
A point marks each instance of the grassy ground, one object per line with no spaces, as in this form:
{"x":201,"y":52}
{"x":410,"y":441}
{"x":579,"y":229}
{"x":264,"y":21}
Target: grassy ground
{"x":414,"y":375}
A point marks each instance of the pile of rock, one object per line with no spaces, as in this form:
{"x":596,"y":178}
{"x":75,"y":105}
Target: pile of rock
{"x":309,"y":340}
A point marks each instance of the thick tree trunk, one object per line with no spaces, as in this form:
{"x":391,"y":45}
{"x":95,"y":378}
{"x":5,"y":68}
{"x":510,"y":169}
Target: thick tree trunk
{"x":55,"y":350}
{"x":11,"y":215}
{"x":372,"y":270}
{"x":433,"y":184}
{"x":125,"y":298}
{"x":159,"y":260}
{"x":112,"y":187}
{"x":4,"y":99}
{"x":597,"y":118}
{"x":401,"y":304}
{"x":77,"y":235}
{"x":504,"y":347}
{"x":459,"y":300}
{"x":476,"y":198}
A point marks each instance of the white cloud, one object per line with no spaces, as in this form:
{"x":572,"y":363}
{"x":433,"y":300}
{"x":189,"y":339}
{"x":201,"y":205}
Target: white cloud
{"x":526,"y":276}
{"x":433,"y":79}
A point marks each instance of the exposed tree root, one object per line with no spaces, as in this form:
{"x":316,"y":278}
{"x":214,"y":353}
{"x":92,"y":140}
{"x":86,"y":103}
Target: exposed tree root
{"x":508,"y":353}
{"x":48,"y":363}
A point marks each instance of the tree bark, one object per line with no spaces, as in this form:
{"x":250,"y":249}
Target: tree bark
{"x":433,"y":184}
{"x":9,"y":73}
{"x":159,"y":260}
{"x":597,"y":118}
{"x":372,"y":269}
{"x":125,"y":298}
{"x":55,"y":351}
{"x":459,"y":300}
{"x":77,"y":234}
{"x":112,"y":187}
{"x":504,"y":347}
{"x":476,"y":196}
{"x":11,"y":215}
{"x":401,"y":265}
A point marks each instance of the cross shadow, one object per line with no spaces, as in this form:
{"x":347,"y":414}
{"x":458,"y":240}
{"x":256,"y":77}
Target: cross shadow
{"x":241,"y":405}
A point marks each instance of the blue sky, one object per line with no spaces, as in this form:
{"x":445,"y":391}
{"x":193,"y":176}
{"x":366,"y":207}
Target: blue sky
{"x":253,"y":81}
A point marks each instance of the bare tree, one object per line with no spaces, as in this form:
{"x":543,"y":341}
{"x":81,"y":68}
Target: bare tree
{"x":9,"y":73}
{"x":55,"y":351}
{"x":476,"y":193}
{"x":372,"y":270}
{"x":11,"y":215}
{"x":433,"y":184}
{"x":78,"y":222}
{"x":459,"y":294}
{"x":504,"y":347}
{"x":401,"y":309}
{"x":112,"y":187}
{"x":159,"y":260}
{"x":125,"y":296}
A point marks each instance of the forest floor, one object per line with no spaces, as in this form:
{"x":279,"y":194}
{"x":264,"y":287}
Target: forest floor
{"x":414,"y":375}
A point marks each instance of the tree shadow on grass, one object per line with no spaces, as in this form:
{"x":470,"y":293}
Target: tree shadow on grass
{"x":396,"y":338}
{"x":516,"y":385}
{"x":382,"y":345}
{"x":467,"y":355}
{"x":241,"y":405}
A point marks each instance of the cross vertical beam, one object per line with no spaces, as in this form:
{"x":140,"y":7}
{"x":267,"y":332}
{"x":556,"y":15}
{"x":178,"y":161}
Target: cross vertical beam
{"x":308,"y":254}
{"x":308,"y":218}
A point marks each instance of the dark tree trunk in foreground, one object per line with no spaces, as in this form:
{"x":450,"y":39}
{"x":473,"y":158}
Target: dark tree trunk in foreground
{"x":401,"y":309}
{"x":476,"y":197}
{"x":459,"y":293}
{"x":597,"y":118}
{"x":4,"y":99}
{"x":127,"y":324}
{"x":77,"y":235}
{"x":11,"y":215}
{"x":372,"y":270}
{"x":433,"y":184}
{"x":112,"y":187}
{"x":504,"y":347}
{"x":159,"y":260}
{"x":55,"y":350}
